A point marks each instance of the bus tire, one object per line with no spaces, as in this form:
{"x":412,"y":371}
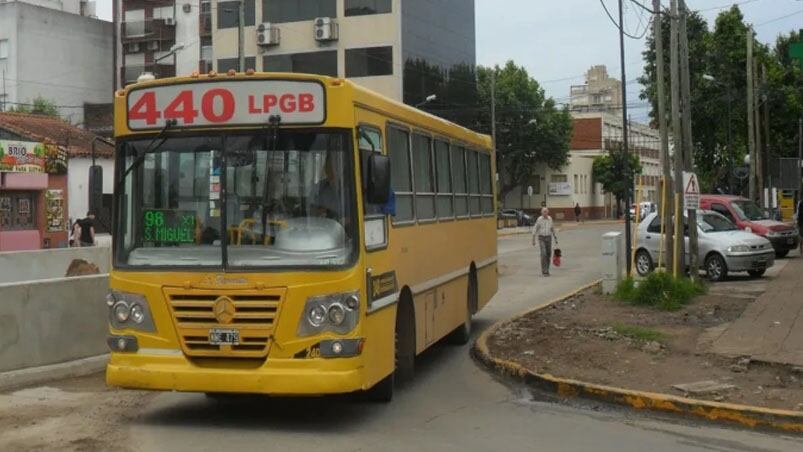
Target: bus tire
{"x":404,"y":340}
{"x":462,"y":334}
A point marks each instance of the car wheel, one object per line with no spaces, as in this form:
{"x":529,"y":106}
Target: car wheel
{"x":644,"y":264}
{"x":756,"y":273}
{"x":715,"y":268}
{"x":780,"y":254}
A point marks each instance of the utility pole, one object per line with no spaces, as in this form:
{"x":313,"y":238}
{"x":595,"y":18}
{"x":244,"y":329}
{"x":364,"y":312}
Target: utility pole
{"x":677,"y":139}
{"x":751,"y":143}
{"x":765,"y":172}
{"x":800,"y":156}
{"x":667,"y":200}
{"x":3,"y":103}
{"x":625,"y":144}
{"x":757,"y":135}
{"x":688,"y":142}
{"x":493,"y":106}
{"x":241,"y":34}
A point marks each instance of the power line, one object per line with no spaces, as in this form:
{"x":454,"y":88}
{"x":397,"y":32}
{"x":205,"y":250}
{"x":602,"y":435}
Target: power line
{"x":618,"y":26}
{"x":780,"y":18}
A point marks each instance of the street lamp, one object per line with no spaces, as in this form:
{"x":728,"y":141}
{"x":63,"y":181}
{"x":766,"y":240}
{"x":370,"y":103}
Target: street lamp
{"x":431,"y":98}
{"x":729,"y":96}
{"x":147,"y":76}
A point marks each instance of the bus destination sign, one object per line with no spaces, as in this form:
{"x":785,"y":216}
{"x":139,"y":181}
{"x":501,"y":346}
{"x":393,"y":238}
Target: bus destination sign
{"x":226,"y":103}
{"x":168,"y":226}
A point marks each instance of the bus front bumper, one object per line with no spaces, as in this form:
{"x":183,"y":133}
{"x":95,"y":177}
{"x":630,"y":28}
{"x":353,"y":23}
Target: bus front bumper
{"x":276,"y":376}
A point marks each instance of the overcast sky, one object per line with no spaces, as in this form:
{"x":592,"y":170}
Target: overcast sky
{"x":558,"y":40}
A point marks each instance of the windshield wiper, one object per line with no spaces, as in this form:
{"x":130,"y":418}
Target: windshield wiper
{"x":153,"y":146}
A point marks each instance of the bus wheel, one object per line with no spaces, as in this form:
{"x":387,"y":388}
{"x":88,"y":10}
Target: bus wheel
{"x":462,"y":334}
{"x":405,"y":340}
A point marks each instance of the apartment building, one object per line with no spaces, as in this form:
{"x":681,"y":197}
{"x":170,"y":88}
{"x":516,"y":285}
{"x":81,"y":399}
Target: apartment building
{"x":601,"y":92}
{"x":594,"y":134}
{"x":57,"y":50}
{"x":369,"y":41}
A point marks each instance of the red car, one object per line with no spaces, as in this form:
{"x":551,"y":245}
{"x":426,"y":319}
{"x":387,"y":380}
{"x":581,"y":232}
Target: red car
{"x":747,"y":215}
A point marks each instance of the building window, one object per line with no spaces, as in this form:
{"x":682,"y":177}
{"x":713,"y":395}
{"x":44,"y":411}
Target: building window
{"x":399,"y":150}
{"x":228,"y":14}
{"x":367,"y":7}
{"x":224,"y":64}
{"x":278,"y":11}
{"x":369,"y":61}
{"x":558,"y":178}
{"x":424,"y":181}
{"x":17,"y":210}
{"x":444,"y":179}
{"x":3,"y":48}
{"x":323,"y":63}
{"x":575,"y":184}
{"x":459,"y":181}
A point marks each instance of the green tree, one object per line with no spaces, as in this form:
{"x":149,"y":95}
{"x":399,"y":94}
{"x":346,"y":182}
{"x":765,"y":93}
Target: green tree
{"x":785,"y":96}
{"x":608,"y":170}
{"x":531,"y":129}
{"x":42,"y":106}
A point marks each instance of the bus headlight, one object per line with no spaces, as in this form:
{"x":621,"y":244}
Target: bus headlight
{"x":129,"y":310}
{"x":338,"y":313}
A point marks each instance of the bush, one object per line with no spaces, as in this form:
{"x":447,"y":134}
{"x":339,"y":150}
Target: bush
{"x":659,"y":290}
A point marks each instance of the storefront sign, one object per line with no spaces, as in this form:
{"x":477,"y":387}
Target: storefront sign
{"x":560,"y":189}
{"x":22,"y":156}
{"x":54,"y":202}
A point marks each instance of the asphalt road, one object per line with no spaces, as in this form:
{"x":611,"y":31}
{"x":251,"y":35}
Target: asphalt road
{"x":453,"y":404}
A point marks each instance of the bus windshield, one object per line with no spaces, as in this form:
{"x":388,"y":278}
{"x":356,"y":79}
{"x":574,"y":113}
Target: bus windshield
{"x":237,"y":200}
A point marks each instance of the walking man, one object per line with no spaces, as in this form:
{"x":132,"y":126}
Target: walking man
{"x":84,"y":230}
{"x":543,"y":232}
{"x":577,"y":212}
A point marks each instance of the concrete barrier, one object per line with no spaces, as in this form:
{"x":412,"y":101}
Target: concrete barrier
{"x":17,"y":266}
{"x":52,"y":320}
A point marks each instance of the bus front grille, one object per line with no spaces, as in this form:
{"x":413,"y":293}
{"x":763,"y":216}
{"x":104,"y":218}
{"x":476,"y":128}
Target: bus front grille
{"x":252,"y":314}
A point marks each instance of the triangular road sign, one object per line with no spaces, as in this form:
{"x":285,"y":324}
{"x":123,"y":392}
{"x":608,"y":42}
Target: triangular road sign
{"x":692,"y":187}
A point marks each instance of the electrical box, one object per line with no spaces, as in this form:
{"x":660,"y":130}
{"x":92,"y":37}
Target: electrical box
{"x":613,"y":261}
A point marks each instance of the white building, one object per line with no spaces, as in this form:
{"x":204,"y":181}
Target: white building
{"x":56,"y":50}
{"x":594,"y":134}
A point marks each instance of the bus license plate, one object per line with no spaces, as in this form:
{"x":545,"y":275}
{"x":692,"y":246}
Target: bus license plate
{"x":219,"y":336}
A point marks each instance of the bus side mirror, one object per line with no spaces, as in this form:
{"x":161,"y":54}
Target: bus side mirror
{"x":378,"y":179}
{"x":95,"y":188}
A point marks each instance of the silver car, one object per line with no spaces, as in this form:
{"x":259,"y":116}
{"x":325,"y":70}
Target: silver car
{"x":723,"y":247}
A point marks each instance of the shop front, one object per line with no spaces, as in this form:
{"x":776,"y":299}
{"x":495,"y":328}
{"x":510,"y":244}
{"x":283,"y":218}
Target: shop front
{"x":33,"y":196}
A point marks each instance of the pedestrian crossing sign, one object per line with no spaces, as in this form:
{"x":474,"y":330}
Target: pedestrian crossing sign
{"x":691,"y":191}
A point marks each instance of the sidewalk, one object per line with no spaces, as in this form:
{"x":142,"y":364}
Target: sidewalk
{"x":771,"y":328}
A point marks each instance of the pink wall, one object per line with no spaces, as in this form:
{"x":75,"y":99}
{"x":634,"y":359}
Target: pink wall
{"x":19,"y":240}
{"x":24,"y":181}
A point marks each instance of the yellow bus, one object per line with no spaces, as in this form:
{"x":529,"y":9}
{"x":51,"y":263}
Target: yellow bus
{"x":291,"y":234}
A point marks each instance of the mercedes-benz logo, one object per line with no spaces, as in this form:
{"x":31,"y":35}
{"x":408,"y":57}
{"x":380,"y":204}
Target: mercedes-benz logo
{"x":224,"y":310}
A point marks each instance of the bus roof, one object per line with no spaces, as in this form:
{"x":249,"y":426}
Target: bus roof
{"x":360,"y":96}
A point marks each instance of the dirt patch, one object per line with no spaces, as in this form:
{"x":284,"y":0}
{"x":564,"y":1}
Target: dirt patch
{"x":592,"y":338}
{"x":80,"y":414}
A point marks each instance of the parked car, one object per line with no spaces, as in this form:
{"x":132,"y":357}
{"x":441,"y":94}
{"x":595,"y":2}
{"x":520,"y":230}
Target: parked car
{"x":750,"y":217}
{"x":723,"y":247}
{"x":522,"y":218}
{"x":645,"y":209}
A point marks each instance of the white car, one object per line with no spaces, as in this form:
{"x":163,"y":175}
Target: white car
{"x":723,"y":247}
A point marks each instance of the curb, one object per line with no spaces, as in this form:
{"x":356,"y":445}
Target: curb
{"x":745,"y":415}
{"x":562,"y":225}
{"x":37,"y":375}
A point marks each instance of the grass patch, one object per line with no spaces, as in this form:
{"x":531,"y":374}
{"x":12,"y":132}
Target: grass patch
{"x":639,"y":333}
{"x":659,"y":290}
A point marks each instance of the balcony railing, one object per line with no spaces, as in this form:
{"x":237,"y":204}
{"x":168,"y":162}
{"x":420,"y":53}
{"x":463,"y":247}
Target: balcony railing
{"x":129,"y":74}
{"x":148,"y":30}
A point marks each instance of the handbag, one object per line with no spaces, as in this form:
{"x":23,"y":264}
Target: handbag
{"x":556,"y":257}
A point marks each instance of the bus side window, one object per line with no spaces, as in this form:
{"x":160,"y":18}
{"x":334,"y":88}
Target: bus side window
{"x":370,"y":141}
{"x":401,"y":174}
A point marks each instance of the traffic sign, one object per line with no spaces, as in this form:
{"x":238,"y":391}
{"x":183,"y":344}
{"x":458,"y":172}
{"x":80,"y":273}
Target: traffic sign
{"x":530,"y":190}
{"x":691,"y":191}
{"x":796,"y":50}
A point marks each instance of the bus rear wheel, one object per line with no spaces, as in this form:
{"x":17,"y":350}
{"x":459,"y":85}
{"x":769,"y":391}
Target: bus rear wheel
{"x":462,"y":334}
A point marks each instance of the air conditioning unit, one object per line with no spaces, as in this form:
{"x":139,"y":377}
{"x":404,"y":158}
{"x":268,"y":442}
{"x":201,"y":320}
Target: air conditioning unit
{"x":133,"y":47}
{"x":268,"y":34}
{"x":326,"y":29}
{"x":153,"y":45}
{"x":170,"y":21}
